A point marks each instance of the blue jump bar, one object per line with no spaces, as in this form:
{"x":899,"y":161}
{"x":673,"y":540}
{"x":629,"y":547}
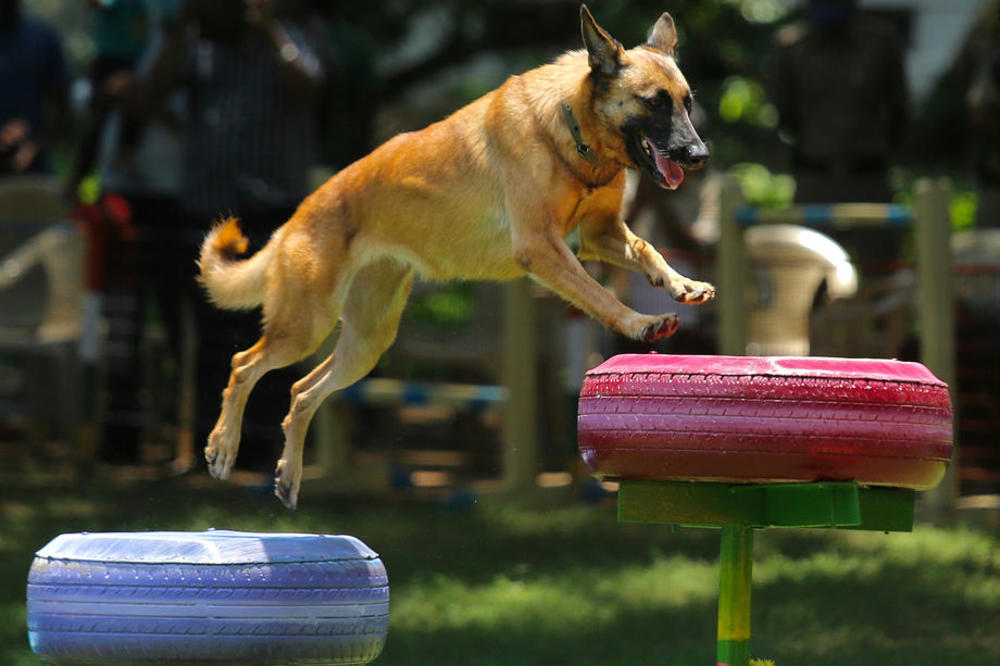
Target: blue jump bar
{"x":841,"y":216}
{"x":379,"y":391}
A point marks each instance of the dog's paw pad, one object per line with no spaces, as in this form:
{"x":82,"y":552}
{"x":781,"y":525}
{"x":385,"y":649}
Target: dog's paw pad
{"x":662,"y":328}
{"x":221,"y":467}
{"x":694,"y":293}
{"x":286,"y":494}
{"x":285,"y":489}
{"x":220,"y":462}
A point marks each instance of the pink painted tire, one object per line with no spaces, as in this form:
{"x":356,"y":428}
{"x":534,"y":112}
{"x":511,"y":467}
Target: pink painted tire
{"x":765,"y":419}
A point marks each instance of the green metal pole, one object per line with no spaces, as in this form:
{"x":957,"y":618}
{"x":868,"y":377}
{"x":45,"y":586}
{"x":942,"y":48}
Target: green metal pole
{"x":736,"y":566}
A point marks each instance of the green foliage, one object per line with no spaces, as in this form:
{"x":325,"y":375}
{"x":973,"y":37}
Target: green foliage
{"x":963,"y":210}
{"x":760,"y":187}
{"x":743,"y":100}
{"x":448,"y":306}
{"x":720,"y":44}
{"x":89,"y":190}
{"x":761,"y":11}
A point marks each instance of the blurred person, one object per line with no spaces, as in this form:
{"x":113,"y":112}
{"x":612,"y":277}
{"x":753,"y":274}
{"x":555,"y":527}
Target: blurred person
{"x":138,"y":161}
{"x":34,"y":81}
{"x":251,"y":80}
{"x":839,"y":84}
{"x":983,"y":102}
{"x":840,"y":89}
{"x":120,"y":35}
{"x":352,"y":97}
{"x":145,"y":165}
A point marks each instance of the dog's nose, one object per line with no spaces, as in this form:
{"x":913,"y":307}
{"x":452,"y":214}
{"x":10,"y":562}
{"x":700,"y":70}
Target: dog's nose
{"x":690,"y":155}
{"x":696,"y":155}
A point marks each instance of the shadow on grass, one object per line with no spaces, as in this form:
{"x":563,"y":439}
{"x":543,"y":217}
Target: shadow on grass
{"x":676,"y":636}
{"x":499,"y":585}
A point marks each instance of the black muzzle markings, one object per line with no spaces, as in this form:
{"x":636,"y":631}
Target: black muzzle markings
{"x":664,"y":142}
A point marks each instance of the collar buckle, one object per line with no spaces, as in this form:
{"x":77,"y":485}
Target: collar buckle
{"x":582,"y":148}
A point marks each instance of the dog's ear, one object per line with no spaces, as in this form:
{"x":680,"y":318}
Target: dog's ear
{"x":604,"y":50}
{"x":663,"y":36}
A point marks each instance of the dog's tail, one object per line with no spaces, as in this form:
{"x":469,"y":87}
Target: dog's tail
{"x":232,"y":284}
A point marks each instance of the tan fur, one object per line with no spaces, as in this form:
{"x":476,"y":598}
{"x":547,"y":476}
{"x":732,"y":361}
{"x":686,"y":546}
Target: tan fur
{"x":488,"y":193}
{"x":233,"y":285}
{"x":229,"y":241}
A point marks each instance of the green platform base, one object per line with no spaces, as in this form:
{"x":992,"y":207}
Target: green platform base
{"x":740,"y":509}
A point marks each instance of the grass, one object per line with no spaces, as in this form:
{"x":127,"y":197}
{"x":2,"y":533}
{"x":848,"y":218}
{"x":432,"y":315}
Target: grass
{"x":499,"y":585}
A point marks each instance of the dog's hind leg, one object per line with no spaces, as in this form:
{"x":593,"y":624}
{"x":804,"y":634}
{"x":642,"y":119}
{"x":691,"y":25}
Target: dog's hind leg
{"x":296,"y":322}
{"x":369,"y":323}
{"x":247,"y":368}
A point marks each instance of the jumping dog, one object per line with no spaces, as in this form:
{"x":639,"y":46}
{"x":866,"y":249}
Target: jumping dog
{"x":488,"y":193}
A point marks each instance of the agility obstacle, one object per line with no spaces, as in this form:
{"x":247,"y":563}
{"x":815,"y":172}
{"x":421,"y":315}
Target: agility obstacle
{"x":218,"y":597}
{"x":744,"y":443}
{"x":930,"y":220}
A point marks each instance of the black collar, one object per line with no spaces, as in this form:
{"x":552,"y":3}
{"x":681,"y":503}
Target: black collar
{"x":582,"y":148}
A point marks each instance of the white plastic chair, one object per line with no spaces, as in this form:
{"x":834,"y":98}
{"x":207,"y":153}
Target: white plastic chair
{"x":42,"y":259}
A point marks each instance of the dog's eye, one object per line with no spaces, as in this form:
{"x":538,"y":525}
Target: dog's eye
{"x":652,"y":102}
{"x":687,"y":103}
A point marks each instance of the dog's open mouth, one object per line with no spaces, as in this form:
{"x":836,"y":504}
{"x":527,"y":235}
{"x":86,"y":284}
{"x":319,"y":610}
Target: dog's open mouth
{"x":664,"y":170}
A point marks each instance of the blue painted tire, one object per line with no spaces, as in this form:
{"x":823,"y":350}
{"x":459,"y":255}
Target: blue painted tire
{"x":216,"y":597}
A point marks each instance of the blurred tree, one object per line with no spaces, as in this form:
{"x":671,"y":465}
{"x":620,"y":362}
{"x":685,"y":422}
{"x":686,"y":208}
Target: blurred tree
{"x":381,"y":52}
{"x":957,"y":131}
{"x":412,"y":42}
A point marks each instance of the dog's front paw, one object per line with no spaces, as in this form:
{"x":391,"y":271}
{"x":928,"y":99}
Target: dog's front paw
{"x":657,"y":327}
{"x":219,"y":456}
{"x":286,"y":484}
{"x":691,"y":291}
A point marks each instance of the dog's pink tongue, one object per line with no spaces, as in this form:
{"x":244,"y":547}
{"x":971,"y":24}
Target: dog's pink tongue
{"x":670,"y":170}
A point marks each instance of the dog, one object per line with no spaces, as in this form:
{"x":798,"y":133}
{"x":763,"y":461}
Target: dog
{"x":488,"y":193}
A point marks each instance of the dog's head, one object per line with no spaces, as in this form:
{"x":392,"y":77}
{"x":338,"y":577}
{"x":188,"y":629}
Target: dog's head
{"x":642,"y":97}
